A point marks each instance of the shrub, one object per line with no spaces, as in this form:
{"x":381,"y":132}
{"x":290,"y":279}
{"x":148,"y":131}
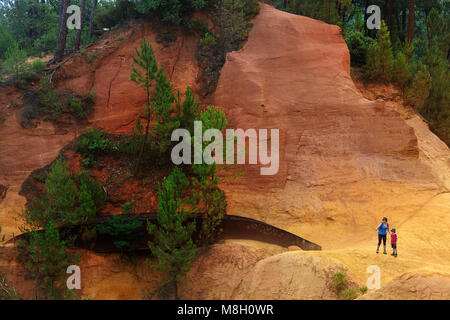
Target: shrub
{"x":15,"y":62}
{"x":79,"y":106}
{"x":233,"y":20}
{"x":58,"y":200}
{"x":340,"y":282}
{"x":342,"y":287}
{"x":123,"y":228}
{"x":46,"y":258}
{"x":172,"y":244}
{"x":49,"y":97}
{"x":111,"y":14}
{"x":37,"y":66}
{"x":6,"y":38}
{"x":208,"y":40}
{"x":363,"y":290}
{"x":173,"y":11}
{"x":379,"y":57}
{"x":349,"y":294}
{"x":93,"y":143}
{"x":401,"y":70}
{"x":420,"y":87}
{"x":91,"y":198}
{"x":358,"y":45}
{"x":76,"y":107}
{"x":61,"y":202}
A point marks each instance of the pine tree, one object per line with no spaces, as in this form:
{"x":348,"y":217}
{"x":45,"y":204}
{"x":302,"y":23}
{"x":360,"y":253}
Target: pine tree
{"x":206,"y":197}
{"x":161,"y":101}
{"x":379,"y":56}
{"x":87,"y":209}
{"x":61,"y":191}
{"x":172,"y":244}
{"x":144,"y":72}
{"x":80,"y":31}
{"x":401,"y":69}
{"x":420,"y":87}
{"x":46,"y":258}
{"x":15,"y":62}
{"x":63,"y":30}
{"x":187,"y":111}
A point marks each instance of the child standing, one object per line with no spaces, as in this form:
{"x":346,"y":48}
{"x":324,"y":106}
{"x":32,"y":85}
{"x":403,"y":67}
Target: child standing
{"x":394,"y":242}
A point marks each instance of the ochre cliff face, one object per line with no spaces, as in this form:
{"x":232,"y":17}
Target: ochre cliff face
{"x":104,"y":68}
{"x":345,"y":162}
{"x":343,"y":159}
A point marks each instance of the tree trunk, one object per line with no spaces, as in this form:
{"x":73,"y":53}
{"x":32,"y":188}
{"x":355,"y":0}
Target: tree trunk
{"x":91,"y":18}
{"x":403,"y":25}
{"x":80,"y":31}
{"x":61,"y":45}
{"x":411,"y":20}
{"x":389,"y":14}
{"x":366,"y":5}
{"x":147,"y":129}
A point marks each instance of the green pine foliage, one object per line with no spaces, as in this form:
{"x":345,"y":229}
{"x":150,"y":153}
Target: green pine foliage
{"x":144,"y":72}
{"x":172,"y":11}
{"x":206,"y":196}
{"x":91,"y":198}
{"x":92,"y":144}
{"x":379,"y":57}
{"x":124,"y":228}
{"x":172,"y":245}
{"x":162,"y":101}
{"x":187,"y":110}
{"x":61,"y":193}
{"x":61,"y":201}
{"x":401,"y":70}
{"x":15,"y":62}
{"x":46,"y":258}
{"x":49,"y":98}
{"x":420,"y":87}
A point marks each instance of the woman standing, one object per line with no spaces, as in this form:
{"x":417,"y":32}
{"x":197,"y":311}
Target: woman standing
{"x":382,"y":228}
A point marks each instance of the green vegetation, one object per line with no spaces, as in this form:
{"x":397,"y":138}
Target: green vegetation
{"x":341,"y":286}
{"x":173,"y":11}
{"x":416,"y":57}
{"x":79,"y":106}
{"x":15,"y":64}
{"x":363,"y":290}
{"x":349,"y":294}
{"x":232,"y":17}
{"x":61,"y":203}
{"x":123,"y":228}
{"x":92,"y":144}
{"x":206,"y":197}
{"x":208,"y":40}
{"x":145,"y":72}
{"x":379,"y":63}
{"x":49,"y":98}
{"x":45,"y":257}
{"x":172,"y":244}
